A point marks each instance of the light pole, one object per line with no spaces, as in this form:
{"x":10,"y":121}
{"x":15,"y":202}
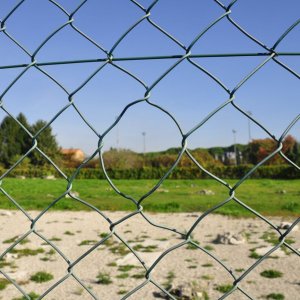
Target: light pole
{"x":144,"y":141}
{"x":234,"y":144}
{"x":249,"y":127}
{"x":117,"y":134}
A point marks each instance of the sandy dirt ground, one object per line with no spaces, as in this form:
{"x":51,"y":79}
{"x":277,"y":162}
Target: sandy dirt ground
{"x":110,"y":270}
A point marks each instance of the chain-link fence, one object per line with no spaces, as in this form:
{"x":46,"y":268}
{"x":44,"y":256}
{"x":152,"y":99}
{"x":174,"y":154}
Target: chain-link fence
{"x":105,"y":58}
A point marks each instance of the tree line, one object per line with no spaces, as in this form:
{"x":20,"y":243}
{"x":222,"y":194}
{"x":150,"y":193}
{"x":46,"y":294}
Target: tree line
{"x":250,"y":154}
{"x":15,"y":141}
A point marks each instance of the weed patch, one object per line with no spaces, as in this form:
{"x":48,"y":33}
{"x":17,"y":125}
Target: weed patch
{"x":41,"y":276}
{"x":271,"y":274}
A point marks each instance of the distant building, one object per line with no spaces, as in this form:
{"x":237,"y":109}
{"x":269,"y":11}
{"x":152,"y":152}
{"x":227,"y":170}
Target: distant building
{"x":74,"y":155}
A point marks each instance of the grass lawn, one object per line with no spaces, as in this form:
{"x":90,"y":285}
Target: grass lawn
{"x":269,"y":197}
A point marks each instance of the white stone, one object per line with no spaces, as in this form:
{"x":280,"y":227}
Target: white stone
{"x":49,"y":177}
{"x":229,"y":238}
{"x":130,"y":259}
{"x":161,"y":190}
{"x":206,"y":192}
{"x":73,"y":194}
{"x":283,"y":192}
{"x":19,"y":276}
{"x":6,"y":213}
{"x":10,"y":256}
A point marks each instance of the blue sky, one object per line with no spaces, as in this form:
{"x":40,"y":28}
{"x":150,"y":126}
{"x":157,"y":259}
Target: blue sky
{"x":272,"y":95}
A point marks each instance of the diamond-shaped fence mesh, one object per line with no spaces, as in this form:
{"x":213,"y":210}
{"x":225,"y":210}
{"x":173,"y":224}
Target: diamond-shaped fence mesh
{"x":107,"y":57}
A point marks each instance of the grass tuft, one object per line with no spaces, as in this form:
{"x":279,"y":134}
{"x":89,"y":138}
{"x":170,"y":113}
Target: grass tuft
{"x":32,"y":295}
{"x":138,"y":275}
{"x":87,"y":242}
{"x":126,"y":268}
{"x":3,"y":283}
{"x":274,"y":296}
{"x":103,"y":278}
{"x":122,"y":292}
{"x":69,"y":233}
{"x":122,"y":276}
{"x":208,"y":265}
{"x":271,"y":274}
{"x":41,"y":276}
{"x":27,"y":252}
{"x":224,"y":288}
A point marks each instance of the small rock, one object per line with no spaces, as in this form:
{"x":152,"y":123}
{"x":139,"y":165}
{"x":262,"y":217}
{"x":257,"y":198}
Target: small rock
{"x":229,"y":238}
{"x":50,"y":196}
{"x":287,"y":225}
{"x":183,"y":292}
{"x":192,"y":216}
{"x":206,"y":192}
{"x":73,"y":194}
{"x":160,"y":190}
{"x":49,"y":177}
{"x":281,"y":192}
{"x":129,"y":259}
{"x":5,"y":213}
{"x":10,"y":256}
{"x":20,"y":177}
{"x":20,"y":276}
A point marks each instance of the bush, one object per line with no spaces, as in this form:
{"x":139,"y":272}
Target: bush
{"x":232,"y":172}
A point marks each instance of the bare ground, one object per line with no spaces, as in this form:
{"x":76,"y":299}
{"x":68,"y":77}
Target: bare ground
{"x":74,"y":233}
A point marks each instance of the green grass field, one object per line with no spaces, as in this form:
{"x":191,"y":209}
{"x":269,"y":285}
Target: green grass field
{"x":268,"y":197}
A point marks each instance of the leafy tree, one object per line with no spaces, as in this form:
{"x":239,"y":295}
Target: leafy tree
{"x":122,"y":159}
{"x":291,"y":148}
{"x":260,"y":148}
{"x":46,"y":142}
{"x":14,"y":140}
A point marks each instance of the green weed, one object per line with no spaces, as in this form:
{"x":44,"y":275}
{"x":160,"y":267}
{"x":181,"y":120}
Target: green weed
{"x":271,"y":274}
{"x":103,"y":278}
{"x":87,"y":242}
{"x":41,"y":276}
{"x":125,"y":268}
{"x":27,"y":252}
{"x":224,"y":288}
{"x":123,"y":275}
{"x":4,"y":283}
{"x":274,"y":296}
{"x":32,"y":295}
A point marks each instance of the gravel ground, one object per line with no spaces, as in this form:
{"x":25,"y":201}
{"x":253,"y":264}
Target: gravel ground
{"x":110,"y":271}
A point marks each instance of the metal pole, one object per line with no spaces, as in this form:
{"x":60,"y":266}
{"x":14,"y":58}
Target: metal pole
{"x":234,"y":144}
{"x":117,"y":134}
{"x":144,"y":141}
